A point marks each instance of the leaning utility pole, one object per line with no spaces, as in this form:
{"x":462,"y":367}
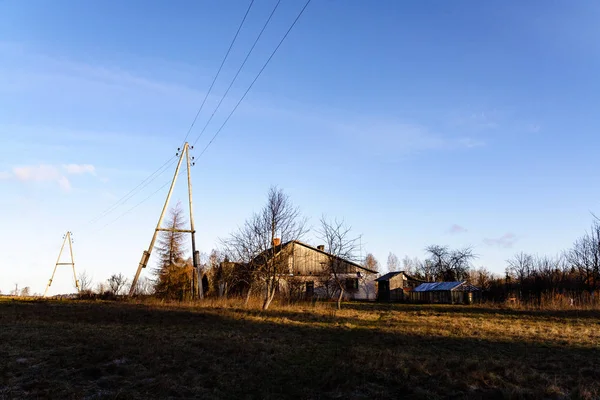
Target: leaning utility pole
{"x":66,"y":237}
{"x":196,"y":282}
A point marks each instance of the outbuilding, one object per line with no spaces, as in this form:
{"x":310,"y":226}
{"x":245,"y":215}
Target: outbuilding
{"x":445,"y":293}
{"x":395,"y":286}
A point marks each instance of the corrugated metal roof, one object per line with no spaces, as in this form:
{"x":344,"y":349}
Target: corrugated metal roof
{"x":436,"y":286}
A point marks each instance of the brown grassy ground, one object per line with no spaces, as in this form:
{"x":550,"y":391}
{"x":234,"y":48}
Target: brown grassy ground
{"x":99,"y":350}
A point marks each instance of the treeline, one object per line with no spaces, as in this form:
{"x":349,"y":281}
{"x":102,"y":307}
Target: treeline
{"x":571,"y":277}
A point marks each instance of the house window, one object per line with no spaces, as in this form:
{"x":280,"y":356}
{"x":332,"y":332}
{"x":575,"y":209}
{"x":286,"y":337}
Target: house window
{"x":351,"y":284}
{"x":310,"y":288}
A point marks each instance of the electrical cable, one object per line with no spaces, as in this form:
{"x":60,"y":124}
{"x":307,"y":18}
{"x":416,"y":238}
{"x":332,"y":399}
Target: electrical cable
{"x":133,"y":191}
{"x":156,"y":173}
{"x":218,"y":71}
{"x":141,"y":202}
{"x":255,"y":79}
{"x":238,"y":71}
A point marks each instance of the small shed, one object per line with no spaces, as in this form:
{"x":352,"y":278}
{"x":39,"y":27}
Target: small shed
{"x":394,"y":286}
{"x":445,"y":293}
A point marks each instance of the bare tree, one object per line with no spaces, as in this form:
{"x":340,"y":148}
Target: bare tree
{"x":393,"y":264}
{"x":223,"y":274}
{"x":211,"y":266}
{"x":101,"y":288}
{"x":481,"y":277}
{"x":116,"y":283}
{"x":521,"y":266}
{"x":450,"y":265}
{"x":254,"y":245}
{"x":144,"y":287}
{"x":585,"y":257}
{"x":25,"y":292}
{"x":340,"y":246}
{"x":425,"y":271}
{"x":85,"y":282}
{"x":229,"y":276}
{"x":413,"y":266}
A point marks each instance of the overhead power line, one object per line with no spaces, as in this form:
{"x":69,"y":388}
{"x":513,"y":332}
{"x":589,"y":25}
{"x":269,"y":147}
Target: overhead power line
{"x":238,"y":71}
{"x":169,"y":162}
{"x":141,"y":202}
{"x":149,"y":179}
{"x":255,"y":79}
{"x":218,"y":71}
{"x":153,"y":176}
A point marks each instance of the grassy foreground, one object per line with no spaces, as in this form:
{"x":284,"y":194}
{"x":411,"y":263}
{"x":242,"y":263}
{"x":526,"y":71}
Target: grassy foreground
{"x":99,"y":350}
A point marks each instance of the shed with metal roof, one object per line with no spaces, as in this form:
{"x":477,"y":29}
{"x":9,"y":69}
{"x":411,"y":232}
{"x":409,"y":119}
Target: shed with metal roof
{"x":459,"y":292}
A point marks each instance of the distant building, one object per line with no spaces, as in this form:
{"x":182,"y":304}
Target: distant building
{"x":305,"y":272}
{"x":445,"y":292}
{"x":395,"y":286}
{"x":308,"y":274}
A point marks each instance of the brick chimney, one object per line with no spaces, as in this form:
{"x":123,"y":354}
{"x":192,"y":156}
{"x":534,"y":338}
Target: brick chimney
{"x":276,"y":242}
{"x":321,"y":247}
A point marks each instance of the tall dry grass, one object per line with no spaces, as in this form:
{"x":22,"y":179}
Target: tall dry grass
{"x":553,"y":302}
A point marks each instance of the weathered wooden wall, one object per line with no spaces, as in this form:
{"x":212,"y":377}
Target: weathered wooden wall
{"x":397,"y":282}
{"x":305,"y":261}
{"x":309,"y":265}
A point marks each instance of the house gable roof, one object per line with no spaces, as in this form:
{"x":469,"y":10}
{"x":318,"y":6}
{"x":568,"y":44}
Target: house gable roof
{"x":327,"y":254}
{"x":286,"y":244}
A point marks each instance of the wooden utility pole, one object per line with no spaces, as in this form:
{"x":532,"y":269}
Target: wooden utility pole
{"x":196,"y":280}
{"x":195,"y":254}
{"x":67,"y":238}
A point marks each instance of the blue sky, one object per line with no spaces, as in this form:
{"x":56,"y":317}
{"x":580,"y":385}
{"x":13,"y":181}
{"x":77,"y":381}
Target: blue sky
{"x":459,"y":123}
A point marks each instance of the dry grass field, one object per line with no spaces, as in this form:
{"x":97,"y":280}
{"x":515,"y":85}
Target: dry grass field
{"x":124,"y":350}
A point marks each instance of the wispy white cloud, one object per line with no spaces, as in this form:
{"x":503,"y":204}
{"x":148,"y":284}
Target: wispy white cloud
{"x":36,"y":173}
{"x":398,"y":137}
{"x":73,"y":71}
{"x":506,"y":241}
{"x":48,"y":173}
{"x":39,"y":173}
{"x":382,"y":136}
{"x":456,"y":229}
{"x":79,"y":169}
